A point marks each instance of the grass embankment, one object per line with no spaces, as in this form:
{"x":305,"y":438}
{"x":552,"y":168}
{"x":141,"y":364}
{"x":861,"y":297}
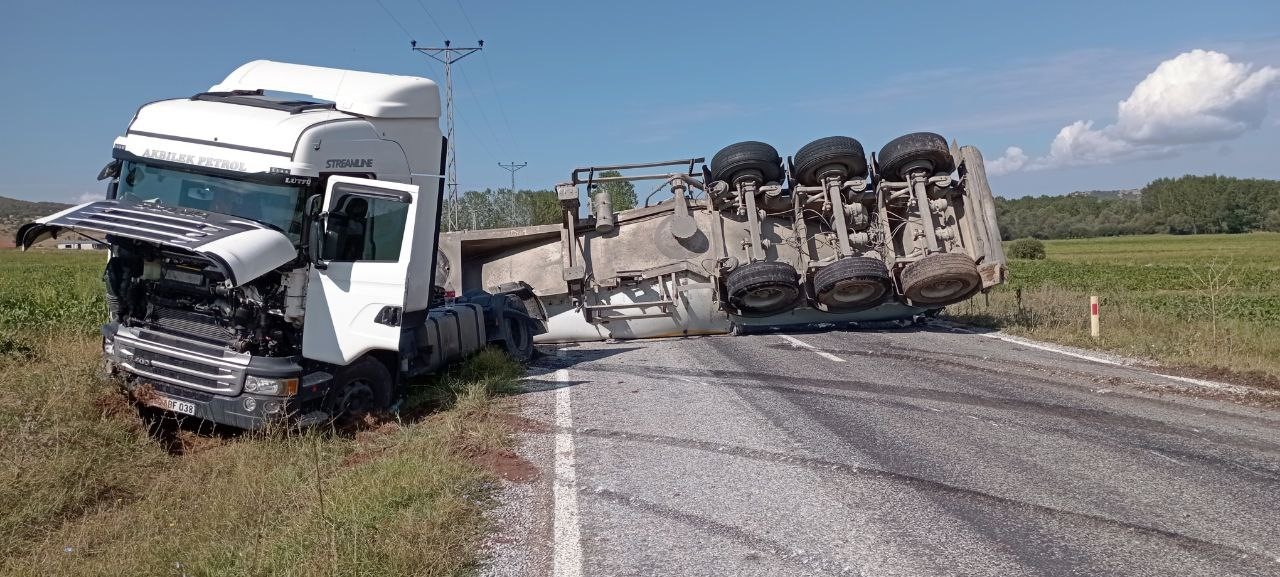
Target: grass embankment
{"x":87,"y":488}
{"x":1209,"y":304}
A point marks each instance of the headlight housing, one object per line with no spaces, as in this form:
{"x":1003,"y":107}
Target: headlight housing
{"x":265,"y":386}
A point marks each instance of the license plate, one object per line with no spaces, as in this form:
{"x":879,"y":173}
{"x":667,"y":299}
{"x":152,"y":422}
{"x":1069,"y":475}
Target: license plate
{"x":171,"y":404}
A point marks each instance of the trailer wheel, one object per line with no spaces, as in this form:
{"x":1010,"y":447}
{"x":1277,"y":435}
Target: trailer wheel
{"x":915,"y":147}
{"x":750,"y":159}
{"x":517,"y":339}
{"x":762,"y":288}
{"x":940,"y":279}
{"x":852,"y":283}
{"x":834,"y":155}
{"x":358,"y":388}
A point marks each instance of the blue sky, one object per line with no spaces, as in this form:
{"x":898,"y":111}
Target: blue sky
{"x":564,"y":84}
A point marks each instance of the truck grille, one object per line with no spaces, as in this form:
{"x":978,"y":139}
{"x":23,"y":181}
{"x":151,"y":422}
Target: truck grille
{"x":150,"y":362}
{"x":191,"y":324}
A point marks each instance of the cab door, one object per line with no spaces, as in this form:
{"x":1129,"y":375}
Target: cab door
{"x":356,"y":288}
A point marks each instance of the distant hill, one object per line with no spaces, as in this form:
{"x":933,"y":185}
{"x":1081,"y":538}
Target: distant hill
{"x":1128,"y":194}
{"x":15,"y":213}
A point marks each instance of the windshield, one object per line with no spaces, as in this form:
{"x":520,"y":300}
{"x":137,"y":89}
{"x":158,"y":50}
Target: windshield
{"x":270,"y":204}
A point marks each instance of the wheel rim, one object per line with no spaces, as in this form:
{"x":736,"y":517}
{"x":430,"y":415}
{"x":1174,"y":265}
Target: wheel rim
{"x":943,"y":288}
{"x":764,"y":297}
{"x":357,"y":397}
{"x":854,"y":291}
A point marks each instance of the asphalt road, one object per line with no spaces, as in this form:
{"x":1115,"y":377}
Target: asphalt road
{"x":914,"y":452}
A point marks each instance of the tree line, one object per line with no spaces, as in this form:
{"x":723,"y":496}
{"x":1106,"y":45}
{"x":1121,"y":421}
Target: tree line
{"x":1185,"y":205}
{"x":503,"y":207}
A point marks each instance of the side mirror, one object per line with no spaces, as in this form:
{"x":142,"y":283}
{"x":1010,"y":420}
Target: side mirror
{"x":111,"y":170}
{"x":314,"y":232}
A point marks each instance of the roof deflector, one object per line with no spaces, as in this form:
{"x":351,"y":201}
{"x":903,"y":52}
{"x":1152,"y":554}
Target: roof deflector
{"x":362,"y":93}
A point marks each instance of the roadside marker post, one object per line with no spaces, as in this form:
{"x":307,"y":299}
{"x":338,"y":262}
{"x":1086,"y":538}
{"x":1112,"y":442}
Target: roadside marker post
{"x":1093,"y":316}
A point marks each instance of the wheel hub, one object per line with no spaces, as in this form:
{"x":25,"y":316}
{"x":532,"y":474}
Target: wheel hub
{"x":357,"y":396}
{"x":942,"y":288}
{"x":854,"y":291}
{"x":764,"y":297}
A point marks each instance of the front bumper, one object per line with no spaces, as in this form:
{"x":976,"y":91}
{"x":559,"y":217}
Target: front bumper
{"x":155,"y":366}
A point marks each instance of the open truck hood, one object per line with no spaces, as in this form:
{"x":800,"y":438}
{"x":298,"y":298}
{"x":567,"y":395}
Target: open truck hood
{"x":243,"y":249}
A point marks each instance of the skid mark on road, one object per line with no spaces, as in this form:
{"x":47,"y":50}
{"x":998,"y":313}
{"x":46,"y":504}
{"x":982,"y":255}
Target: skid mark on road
{"x":567,"y":560}
{"x":900,"y":396}
{"x":1224,"y":552}
{"x":819,"y":352}
{"x":773,"y":548}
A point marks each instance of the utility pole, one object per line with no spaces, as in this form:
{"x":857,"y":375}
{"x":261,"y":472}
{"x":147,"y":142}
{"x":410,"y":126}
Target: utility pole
{"x":447,"y":55}
{"x":512,"y":168}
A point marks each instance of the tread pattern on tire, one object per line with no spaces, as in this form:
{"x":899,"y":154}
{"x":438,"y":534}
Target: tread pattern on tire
{"x":908,"y":148}
{"x":933,"y":266}
{"x":830,"y":150}
{"x":748,"y":155}
{"x":754,"y":275}
{"x":518,"y":344}
{"x":859,"y":267}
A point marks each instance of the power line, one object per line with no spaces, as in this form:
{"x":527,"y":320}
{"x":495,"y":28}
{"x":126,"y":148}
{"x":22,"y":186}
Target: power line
{"x":497,"y":94}
{"x":467,"y":18}
{"x":396,"y":20}
{"x":497,"y":141}
{"x":432,"y":18}
{"x":483,"y":146}
{"x":447,"y":55}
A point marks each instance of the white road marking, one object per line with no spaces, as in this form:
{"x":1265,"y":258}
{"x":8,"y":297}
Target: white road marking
{"x":567,"y":560}
{"x":1106,"y":361}
{"x":823,"y":354}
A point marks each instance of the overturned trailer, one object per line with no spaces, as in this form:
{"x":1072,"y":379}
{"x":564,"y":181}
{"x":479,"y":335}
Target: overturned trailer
{"x":751,"y":241}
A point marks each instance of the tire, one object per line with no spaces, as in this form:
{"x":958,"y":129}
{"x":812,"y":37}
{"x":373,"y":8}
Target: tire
{"x":831,"y":155}
{"x":940,"y":279}
{"x":746,"y":160}
{"x":852,"y":284}
{"x":763,"y":288}
{"x":909,"y":148}
{"x":361,"y":387}
{"x":517,"y":340}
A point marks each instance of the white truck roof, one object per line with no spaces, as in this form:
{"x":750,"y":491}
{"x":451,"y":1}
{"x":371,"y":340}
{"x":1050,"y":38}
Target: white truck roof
{"x":363,"y":93}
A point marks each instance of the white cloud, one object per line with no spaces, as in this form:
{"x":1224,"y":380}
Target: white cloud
{"x":1014,"y":158}
{"x":1199,"y":96}
{"x":1196,"y":97}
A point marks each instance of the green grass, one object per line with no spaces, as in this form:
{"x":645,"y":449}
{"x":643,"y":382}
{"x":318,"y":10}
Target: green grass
{"x":45,"y":290}
{"x":87,"y":489}
{"x":1210,"y":303}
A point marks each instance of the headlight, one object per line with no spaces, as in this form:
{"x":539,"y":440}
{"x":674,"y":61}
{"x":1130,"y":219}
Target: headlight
{"x":264,"y":386}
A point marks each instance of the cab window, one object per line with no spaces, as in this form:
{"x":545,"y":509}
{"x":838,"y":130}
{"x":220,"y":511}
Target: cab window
{"x":365,"y":228}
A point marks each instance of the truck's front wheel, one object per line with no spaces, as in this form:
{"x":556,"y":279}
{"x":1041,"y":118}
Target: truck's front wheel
{"x":358,"y":388}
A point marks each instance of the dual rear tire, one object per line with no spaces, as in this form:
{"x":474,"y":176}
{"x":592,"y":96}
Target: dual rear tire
{"x":852,"y":284}
{"x":763,"y":288}
{"x":940,"y":279}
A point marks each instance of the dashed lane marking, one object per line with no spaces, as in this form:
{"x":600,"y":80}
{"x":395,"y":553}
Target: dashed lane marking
{"x":823,"y":354}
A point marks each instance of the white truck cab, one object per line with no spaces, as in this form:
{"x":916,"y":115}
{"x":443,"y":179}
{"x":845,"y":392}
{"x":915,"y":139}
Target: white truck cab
{"x":274,"y":245}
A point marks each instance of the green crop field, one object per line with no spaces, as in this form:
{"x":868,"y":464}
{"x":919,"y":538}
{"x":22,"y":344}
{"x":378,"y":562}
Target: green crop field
{"x":87,"y":487}
{"x":1209,"y":303}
